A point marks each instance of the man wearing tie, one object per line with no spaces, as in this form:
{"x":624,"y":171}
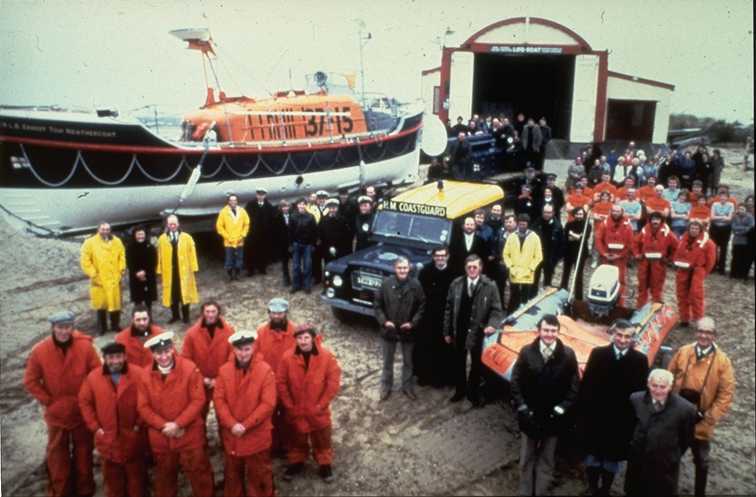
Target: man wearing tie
{"x":473,"y":309}
{"x":468,"y":243}
{"x":177,"y":263}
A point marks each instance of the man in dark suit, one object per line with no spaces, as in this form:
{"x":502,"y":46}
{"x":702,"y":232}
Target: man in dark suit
{"x":544,"y":388}
{"x":467,"y":242}
{"x":605,"y":415}
{"x":281,"y":245}
{"x":258,"y":249}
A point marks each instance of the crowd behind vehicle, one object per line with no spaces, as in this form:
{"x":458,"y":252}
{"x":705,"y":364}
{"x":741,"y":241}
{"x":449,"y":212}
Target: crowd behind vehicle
{"x":272,"y":388}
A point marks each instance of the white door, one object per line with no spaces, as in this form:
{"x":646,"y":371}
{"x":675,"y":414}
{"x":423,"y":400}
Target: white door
{"x":585,"y":88}
{"x":461,"y":85}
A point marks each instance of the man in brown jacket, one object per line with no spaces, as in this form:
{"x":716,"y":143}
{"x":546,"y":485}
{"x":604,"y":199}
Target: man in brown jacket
{"x":171,"y":399}
{"x":54,"y":373}
{"x":108,"y":403}
{"x":704,"y":376}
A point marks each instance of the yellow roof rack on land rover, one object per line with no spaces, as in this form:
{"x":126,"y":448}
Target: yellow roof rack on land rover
{"x":455,"y":197}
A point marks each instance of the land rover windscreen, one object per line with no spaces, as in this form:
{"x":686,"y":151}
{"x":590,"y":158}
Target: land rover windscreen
{"x":409,"y":225}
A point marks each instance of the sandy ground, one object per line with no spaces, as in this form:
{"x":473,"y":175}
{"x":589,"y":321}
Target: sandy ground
{"x":397,"y":448}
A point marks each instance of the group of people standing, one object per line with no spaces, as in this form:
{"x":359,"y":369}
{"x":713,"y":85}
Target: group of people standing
{"x":145,"y":403}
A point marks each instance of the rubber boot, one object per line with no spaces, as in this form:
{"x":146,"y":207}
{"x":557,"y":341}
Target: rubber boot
{"x":115,"y":321}
{"x":174,"y":313}
{"x":185,"y":313}
{"x":102,"y":321}
{"x":593,"y":474}
{"x":700,"y":486}
{"x":236,"y":273}
{"x":607,"y":478}
{"x":230,"y":273}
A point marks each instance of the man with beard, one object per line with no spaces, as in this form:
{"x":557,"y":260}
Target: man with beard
{"x":206,"y":345}
{"x":363,"y":223}
{"x":103,"y":260}
{"x":244,"y":398}
{"x":522,"y":255}
{"x":544,"y":388}
{"x":108,"y":403}
{"x":274,"y":338}
{"x":694,"y":258}
{"x":653,"y":247}
{"x":399,"y":307}
{"x":464,"y":244}
{"x":257,"y":252}
{"x":177,"y":263}
{"x":705,"y":377}
{"x":233,"y":226}
{"x":335,"y":236}
{"x":134,"y":336}
{"x":141,"y":260}
{"x":472,"y":311}
{"x":55,"y":370}
{"x":170,"y":401}
{"x":550,"y":231}
{"x":605,"y":416}
{"x":614,"y":239}
{"x":433,"y":356}
{"x":307,"y":381}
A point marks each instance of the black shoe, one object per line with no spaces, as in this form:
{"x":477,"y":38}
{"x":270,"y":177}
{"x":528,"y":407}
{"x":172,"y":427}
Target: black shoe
{"x":308,"y":291}
{"x":115,"y":321}
{"x":294,"y":290}
{"x":326,"y":473}
{"x":385,"y":394}
{"x":457,"y":397}
{"x":477,"y":403}
{"x":409,"y":393}
{"x":102,"y":322}
{"x":185,"y":313}
{"x":293,"y":470}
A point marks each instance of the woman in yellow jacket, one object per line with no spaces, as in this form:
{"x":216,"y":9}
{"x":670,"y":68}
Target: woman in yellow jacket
{"x":177,"y":263}
{"x":233,"y":225}
{"x":103,"y":260}
{"x":522,"y":255}
{"x":704,"y":375}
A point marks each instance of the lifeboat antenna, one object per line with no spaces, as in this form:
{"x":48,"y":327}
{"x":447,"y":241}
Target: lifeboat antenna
{"x":200,"y":39}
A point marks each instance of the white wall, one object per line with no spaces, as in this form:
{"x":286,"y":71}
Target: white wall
{"x":535,"y":34}
{"x":623,"y":89}
{"x":427,"y":83}
{"x":584,"y":92}
{"x":461,"y":85}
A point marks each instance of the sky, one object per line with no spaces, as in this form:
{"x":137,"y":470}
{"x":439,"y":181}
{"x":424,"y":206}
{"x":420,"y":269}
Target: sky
{"x":119,"y":54}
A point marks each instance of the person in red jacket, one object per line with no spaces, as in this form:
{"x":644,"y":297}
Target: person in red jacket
{"x":55,"y":370}
{"x":206,"y":345}
{"x":274,"y":338}
{"x":308,"y":379}
{"x":694,"y":259}
{"x":134,"y":336}
{"x":108,"y":403}
{"x":614,"y":240}
{"x":245,"y":398}
{"x":654,"y":247}
{"x":170,"y":401}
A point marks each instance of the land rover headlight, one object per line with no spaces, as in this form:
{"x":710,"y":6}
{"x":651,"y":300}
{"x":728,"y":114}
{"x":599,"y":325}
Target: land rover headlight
{"x":338,"y":281}
{"x":330,"y":293}
{"x":419,"y":266}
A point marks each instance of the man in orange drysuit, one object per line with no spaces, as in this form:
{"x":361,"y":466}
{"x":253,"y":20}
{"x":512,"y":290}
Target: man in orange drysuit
{"x":133,"y":337}
{"x":308,"y":379}
{"x":108,"y":403}
{"x":275,"y":337}
{"x":171,"y":399}
{"x":55,"y":370}
{"x":614,"y":239}
{"x":654,"y":247}
{"x":245,"y":398}
{"x":206,"y":345}
{"x":694,"y":259}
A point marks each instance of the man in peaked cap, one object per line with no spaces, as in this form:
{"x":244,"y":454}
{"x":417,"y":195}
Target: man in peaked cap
{"x":363,"y":222}
{"x":321,"y":208}
{"x":308,"y":378}
{"x":334,"y":233}
{"x":245,"y":398}
{"x":108,"y":403}
{"x":274,"y":338}
{"x":257,"y":253}
{"x":171,"y":399}
{"x":55,"y":370}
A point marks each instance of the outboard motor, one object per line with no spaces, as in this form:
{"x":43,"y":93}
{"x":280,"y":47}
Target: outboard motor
{"x":604,"y":290}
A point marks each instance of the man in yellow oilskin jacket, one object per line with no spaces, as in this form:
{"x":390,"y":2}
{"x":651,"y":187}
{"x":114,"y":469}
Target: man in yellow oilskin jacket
{"x":522,"y":255}
{"x":233,"y":225}
{"x":103,"y":260}
{"x":177,"y":263}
